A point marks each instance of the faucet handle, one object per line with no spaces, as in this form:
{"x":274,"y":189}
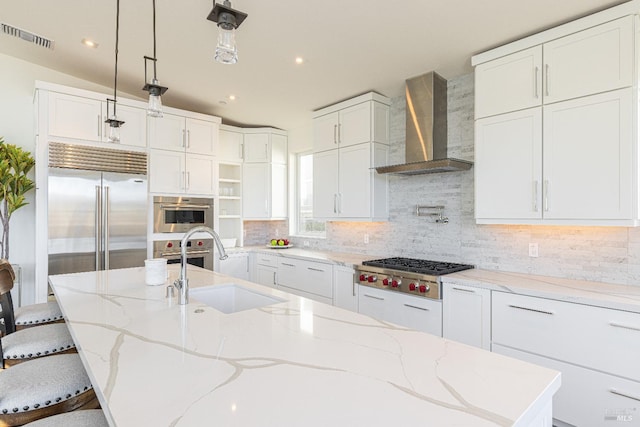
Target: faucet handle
{"x":171,"y":290}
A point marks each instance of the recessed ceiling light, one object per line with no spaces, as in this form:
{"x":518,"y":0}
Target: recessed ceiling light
{"x":232,"y":97}
{"x":89,"y":43}
{"x":299,"y":60}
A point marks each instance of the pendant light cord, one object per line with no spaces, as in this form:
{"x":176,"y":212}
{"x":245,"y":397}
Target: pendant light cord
{"x":115,"y":82}
{"x":155,"y":58}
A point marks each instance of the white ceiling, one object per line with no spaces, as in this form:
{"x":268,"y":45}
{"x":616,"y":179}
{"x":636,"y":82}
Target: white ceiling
{"x":350,"y":47}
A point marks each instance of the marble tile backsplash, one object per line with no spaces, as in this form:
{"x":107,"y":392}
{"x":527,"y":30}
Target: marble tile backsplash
{"x":609,"y":254}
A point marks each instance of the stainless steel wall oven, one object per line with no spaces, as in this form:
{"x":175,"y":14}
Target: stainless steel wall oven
{"x":199,"y":252}
{"x":180,"y":214}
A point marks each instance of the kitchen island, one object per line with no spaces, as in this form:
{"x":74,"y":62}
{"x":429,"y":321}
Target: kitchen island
{"x":292,"y":363}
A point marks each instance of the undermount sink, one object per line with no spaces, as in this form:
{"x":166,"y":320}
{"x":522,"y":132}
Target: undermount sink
{"x":232,"y":298}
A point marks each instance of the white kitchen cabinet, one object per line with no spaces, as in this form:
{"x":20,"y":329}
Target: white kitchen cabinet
{"x":345,"y":288}
{"x":265,"y":145}
{"x":510,"y":83}
{"x":230,"y":146}
{"x":420,"y":314}
{"x":348,"y":126}
{"x":77,"y":117}
{"x":236,"y":265}
{"x":310,"y":277}
{"x":345,"y":185}
{"x":174,"y":172}
{"x":264,"y":193}
{"x":265,"y":269}
{"x":184,"y":134}
{"x":466,"y":315}
{"x":537,"y":165}
{"x":582,"y":342}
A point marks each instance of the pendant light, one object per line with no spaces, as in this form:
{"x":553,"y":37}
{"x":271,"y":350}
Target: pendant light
{"x":114,"y":123}
{"x":228,"y":20}
{"x":155,"y":90}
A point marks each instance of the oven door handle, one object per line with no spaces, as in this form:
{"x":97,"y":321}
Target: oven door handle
{"x":203,"y":252}
{"x":185,"y":206}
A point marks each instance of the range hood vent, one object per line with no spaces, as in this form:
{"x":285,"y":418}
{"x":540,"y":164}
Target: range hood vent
{"x":26,"y":36}
{"x":426,"y":129}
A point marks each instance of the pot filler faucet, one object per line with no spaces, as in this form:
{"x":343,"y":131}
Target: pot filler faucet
{"x":182,"y":284}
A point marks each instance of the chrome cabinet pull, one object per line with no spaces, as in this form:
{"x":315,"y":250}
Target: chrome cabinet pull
{"x":620,"y":393}
{"x":241,"y":146}
{"x":188,"y":138}
{"x":335,"y":203}
{"x":288,"y":265}
{"x":546,"y":79}
{"x":620,"y":325}
{"x":371,"y":296}
{"x":531,"y":309}
{"x":535,"y":196}
{"x":339,"y":203}
{"x":315,"y":269}
{"x":184,"y":137}
{"x":274,"y":278}
{"x":339,"y":132}
{"x":335,"y":134}
{"x":184,"y":206}
{"x":535,"y":82}
{"x":545,"y":190}
{"x":464,"y":290}
{"x":414,"y":306}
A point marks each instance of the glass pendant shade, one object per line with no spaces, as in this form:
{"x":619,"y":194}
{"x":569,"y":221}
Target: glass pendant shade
{"x":154,"y":108}
{"x":114,"y":130}
{"x":226,"y":50}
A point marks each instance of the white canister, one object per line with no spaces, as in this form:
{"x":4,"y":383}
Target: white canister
{"x":155,"y":271}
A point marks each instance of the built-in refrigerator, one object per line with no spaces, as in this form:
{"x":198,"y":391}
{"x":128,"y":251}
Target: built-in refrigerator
{"x":97,"y":208}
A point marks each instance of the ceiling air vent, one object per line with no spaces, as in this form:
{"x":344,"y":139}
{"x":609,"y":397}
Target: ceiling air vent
{"x":27,"y":36}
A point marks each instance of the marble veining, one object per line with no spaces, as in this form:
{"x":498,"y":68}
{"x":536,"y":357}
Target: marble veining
{"x":300,"y":362}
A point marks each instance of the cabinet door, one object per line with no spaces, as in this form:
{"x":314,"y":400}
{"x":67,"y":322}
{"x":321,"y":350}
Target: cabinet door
{"x":75,"y":117}
{"x":345,"y":289}
{"x":374,"y":303}
{"x":256,"y":147}
{"x":201,"y":137}
{"x":508,"y":166}
{"x":325,"y":132}
{"x":466,"y":315}
{"x":325,"y":184}
{"x":354,"y":198}
{"x":278,"y":149}
{"x":231,"y":146}
{"x":510,"y":83}
{"x":134,"y":130}
{"x":289,"y":273}
{"x":316,"y":278}
{"x":590,"y":61}
{"x":420,"y":314}
{"x":200,"y":174}
{"x":256,"y":182}
{"x":266,"y":275}
{"x":278,"y":190}
{"x":355,"y":125}
{"x":166,"y":171}
{"x":167,"y":132}
{"x":587,"y":162}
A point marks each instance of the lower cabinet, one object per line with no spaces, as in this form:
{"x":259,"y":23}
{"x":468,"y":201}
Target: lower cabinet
{"x":466,"y":315}
{"x":412,"y":312}
{"x":310,"y":279}
{"x":596,"y":349}
{"x":265,"y":269}
{"x":237,"y":265}
{"x":345,"y":289}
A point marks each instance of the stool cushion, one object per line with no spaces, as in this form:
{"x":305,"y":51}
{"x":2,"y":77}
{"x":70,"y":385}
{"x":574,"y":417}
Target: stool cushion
{"x":42,"y":382}
{"x":38,"y":341}
{"x":34,"y":314}
{"x":81,"y":418}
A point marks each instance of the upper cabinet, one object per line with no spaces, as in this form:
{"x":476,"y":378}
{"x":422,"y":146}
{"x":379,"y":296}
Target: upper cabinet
{"x":230,"y":145}
{"x":265,"y":146}
{"x":554,"y":131}
{"x":185,"y":134}
{"x":82,"y":118}
{"x":350,"y":139}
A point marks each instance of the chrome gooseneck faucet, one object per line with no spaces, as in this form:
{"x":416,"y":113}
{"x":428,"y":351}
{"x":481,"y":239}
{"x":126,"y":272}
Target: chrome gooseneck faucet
{"x":182,"y":283}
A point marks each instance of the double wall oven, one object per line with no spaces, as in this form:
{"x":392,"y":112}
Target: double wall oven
{"x":179,"y":215}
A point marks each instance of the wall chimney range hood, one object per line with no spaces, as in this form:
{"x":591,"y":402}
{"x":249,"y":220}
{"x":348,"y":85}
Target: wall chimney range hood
{"x":426,"y":129}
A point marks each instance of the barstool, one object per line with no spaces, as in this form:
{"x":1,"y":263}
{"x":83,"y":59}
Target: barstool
{"x":83,"y":418}
{"x":37,"y":314}
{"x":43,"y":387}
{"x":29,"y":343}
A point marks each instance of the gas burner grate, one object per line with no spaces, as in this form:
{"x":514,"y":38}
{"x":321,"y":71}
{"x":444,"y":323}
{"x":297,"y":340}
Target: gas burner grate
{"x":414,"y":265}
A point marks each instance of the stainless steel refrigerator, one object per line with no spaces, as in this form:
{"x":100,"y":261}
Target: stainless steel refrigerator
{"x":97,"y":208}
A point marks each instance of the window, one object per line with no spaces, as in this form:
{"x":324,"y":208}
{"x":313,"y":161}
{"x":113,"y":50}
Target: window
{"x":306,"y":225}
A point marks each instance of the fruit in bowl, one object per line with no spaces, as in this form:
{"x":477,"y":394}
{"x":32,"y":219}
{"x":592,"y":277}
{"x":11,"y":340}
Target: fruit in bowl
{"x":274,"y":242}
{"x":279,"y":242}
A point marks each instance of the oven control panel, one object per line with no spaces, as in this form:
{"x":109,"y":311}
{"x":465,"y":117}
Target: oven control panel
{"x":427,"y":287}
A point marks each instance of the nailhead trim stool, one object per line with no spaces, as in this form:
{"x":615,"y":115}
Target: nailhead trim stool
{"x":83,"y":418}
{"x":32,"y":343}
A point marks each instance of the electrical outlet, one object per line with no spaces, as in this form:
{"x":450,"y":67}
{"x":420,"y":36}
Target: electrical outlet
{"x":305,"y":243}
{"x":366,"y":238}
{"x":533,"y":250}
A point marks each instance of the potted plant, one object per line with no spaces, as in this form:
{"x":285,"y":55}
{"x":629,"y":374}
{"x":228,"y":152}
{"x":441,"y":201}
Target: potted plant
{"x":15,"y":164}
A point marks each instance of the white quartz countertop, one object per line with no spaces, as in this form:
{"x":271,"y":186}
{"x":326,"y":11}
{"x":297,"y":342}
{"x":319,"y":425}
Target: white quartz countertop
{"x":299,"y":362}
{"x":620,"y":297}
{"x":337,"y":258}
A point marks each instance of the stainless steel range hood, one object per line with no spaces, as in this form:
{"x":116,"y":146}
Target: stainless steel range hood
{"x":426,"y":138}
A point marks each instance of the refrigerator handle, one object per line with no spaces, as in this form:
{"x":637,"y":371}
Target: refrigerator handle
{"x":106,"y":227}
{"x":98,"y":226}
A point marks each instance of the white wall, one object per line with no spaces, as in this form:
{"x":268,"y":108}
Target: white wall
{"x":17,"y":126}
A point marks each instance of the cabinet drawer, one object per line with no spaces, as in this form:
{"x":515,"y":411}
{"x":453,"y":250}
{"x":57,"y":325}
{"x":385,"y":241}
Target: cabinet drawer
{"x":265,"y":259}
{"x":316,"y":278}
{"x":598,"y":338}
{"x":588,"y":398}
